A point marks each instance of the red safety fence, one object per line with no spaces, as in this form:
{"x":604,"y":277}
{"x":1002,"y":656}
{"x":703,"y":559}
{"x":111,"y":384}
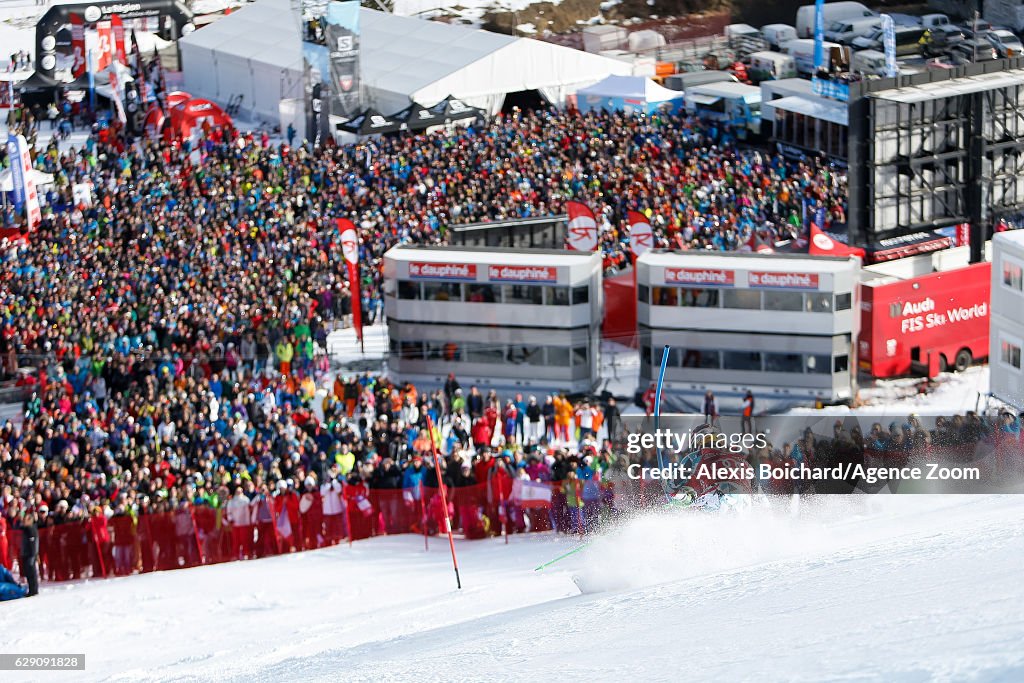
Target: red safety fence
{"x":198,"y":535}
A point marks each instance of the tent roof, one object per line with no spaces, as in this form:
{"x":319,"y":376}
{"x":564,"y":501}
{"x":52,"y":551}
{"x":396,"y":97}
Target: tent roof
{"x":406,"y":54}
{"x":266,"y":31}
{"x":815,"y":107}
{"x":429,"y":60}
{"x":634,"y":87}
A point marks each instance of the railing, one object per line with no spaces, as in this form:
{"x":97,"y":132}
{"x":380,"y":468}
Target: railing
{"x":192,"y":536}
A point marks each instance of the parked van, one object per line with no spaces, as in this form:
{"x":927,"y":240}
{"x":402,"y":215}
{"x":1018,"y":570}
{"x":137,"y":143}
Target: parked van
{"x":685,"y":81}
{"x":769,"y":65}
{"x":802,"y":52}
{"x":777,"y":34}
{"x":738,"y":104}
{"x":832,"y":12}
{"x":934,"y":20}
{"x":908,"y":40}
{"x":869,"y":62}
{"x":844,"y":32}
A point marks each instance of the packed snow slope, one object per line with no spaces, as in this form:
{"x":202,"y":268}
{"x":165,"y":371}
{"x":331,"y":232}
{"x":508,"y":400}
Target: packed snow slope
{"x":906,"y":588}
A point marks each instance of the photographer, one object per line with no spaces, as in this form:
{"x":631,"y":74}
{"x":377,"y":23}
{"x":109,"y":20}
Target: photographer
{"x":333,"y":503}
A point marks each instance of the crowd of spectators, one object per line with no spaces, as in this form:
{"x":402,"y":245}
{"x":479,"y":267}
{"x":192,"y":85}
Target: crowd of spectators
{"x":170,"y":324}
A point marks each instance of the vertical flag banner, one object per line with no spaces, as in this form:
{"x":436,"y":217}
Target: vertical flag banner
{"x":25,"y":196}
{"x":889,"y":45}
{"x":17,"y":175}
{"x":117,"y":29}
{"x":819,"y":34}
{"x":582,"y":227}
{"x":77,"y":45}
{"x":89,"y":67}
{"x":350,"y":250}
{"x":115,"y":86}
{"x":641,"y":237}
{"x":139,"y":70}
{"x":105,"y":40}
{"x":343,"y":49}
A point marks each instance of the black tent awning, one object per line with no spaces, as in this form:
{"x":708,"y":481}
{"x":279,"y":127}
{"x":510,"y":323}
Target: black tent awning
{"x":418,"y":117}
{"x":457,"y":110}
{"x":38,"y":83}
{"x":372,"y":122}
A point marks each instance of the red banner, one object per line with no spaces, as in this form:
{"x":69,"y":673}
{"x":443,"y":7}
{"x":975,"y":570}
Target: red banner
{"x":641,"y":238}
{"x":709,"y":277}
{"x":77,"y":45}
{"x":442,"y":271}
{"x":117,"y":28}
{"x":823,"y":245}
{"x":105,"y":41}
{"x":783,"y":280}
{"x":522,"y":273}
{"x":582,"y":227}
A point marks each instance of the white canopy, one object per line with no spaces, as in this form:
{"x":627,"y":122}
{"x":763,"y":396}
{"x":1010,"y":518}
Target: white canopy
{"x":255,"y":52}
{"x":7,"y":179}
{"x":632,"y":87}
{"x":815,"y":107}
{"x":406,"y":60}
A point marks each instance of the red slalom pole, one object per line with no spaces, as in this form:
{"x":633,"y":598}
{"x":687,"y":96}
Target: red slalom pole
{"x":444,"y":502}
{"x":503,"y":514}
{"x":423,"y":518}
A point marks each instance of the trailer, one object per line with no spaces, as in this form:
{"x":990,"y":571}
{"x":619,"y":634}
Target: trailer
{"x":924,"y":315}
{"x":1007,"y":330}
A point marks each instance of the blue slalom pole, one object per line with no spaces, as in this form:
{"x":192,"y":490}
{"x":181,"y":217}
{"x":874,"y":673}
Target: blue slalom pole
{"x":657,"y":410}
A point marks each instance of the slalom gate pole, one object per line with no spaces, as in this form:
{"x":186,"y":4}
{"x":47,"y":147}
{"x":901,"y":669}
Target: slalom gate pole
{"x":503,"y":512}
{"x":564,"y":555}
{"x":348,"y":517}
{"x":444,"y":502}
{"x":657,"y":410}
{"x":195,"y":532}
{"x":423,"y":518}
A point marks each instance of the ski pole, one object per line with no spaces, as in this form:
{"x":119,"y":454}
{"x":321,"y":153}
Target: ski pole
{"x":563,"y":556}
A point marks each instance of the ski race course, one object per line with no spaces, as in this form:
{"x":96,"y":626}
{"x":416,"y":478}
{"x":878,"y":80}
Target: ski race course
{"x":905,"y":588}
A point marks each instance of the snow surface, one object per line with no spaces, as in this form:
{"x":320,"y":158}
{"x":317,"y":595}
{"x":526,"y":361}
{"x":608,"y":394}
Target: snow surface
{"x":896,"y":588}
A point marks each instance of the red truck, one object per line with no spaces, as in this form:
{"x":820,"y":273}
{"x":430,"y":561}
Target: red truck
{"x":925,"y":324}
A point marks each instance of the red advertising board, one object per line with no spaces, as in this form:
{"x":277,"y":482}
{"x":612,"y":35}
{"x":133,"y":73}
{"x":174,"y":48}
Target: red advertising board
{"x":765,"y":280}
{"x":705,"y":277}
{"x":522,"y":274}
{"x":442,"y":271}
{"x":940,"y":316}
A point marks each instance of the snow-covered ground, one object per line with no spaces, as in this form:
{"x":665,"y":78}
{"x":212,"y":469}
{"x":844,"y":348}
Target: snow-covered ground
{"x":907,"y":588}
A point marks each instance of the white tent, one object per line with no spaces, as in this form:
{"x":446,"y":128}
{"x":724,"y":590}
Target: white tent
{"x":7,"y":179}
{"x":404,"y":60}
{"x":255,"y":52}
{"x":628,"y":93}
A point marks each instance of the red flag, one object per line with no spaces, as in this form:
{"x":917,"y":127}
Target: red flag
{"x":641,"y":237}
{"x":117,"y":28}
{"x":77,"y":45}
{"x":350,"y":250}
{"x":582,"y":227}
{"x":756,"y":244}
{"x":823,"y":245}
